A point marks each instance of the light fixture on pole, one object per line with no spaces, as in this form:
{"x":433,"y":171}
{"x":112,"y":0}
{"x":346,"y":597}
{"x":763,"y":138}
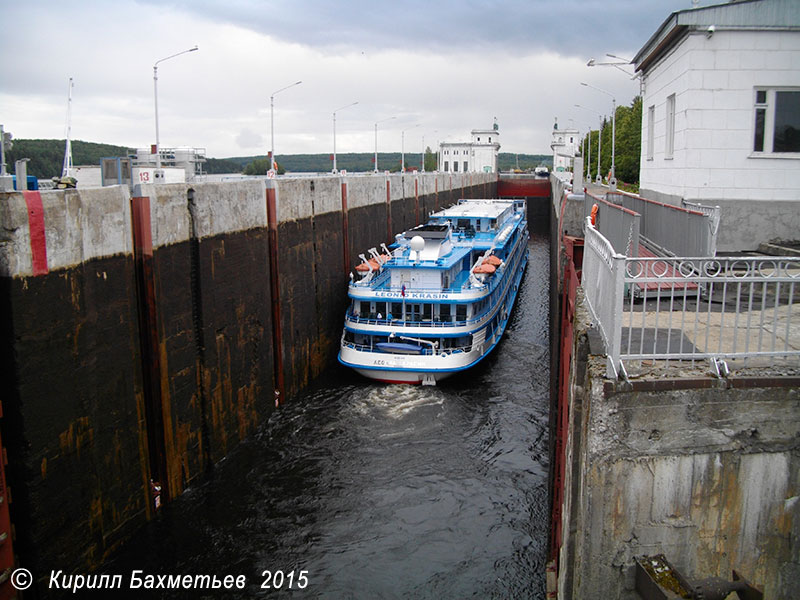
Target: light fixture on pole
{"x":599,"y":180}
{"x":376,"y":139}
{"x":587,"y":151}
{"x":593,"y":63}
{"x":272,"y":124}
{"x":155,"y":96}
{"x":612,"y":181}
{"x":403,"y":148}
{"x":334,"y":133}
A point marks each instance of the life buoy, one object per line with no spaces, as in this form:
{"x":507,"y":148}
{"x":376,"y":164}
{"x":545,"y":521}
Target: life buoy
{"x":595,"y":208}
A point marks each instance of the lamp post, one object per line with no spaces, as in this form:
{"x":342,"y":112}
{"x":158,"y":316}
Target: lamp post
{"x":376,"y":139}
{"x":334,"y":133}
{"x":599,"y":140}
{"x":403,"y":148}
{"x":272,"y":124}
{"x":587,"y":151}
{"x":155,"y":96}
{"x":612,"y":182}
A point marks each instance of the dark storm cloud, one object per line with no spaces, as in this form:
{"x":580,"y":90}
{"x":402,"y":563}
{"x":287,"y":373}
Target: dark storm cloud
{"x":568,"y":27}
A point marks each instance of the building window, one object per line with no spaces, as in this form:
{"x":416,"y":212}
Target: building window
{"x":455,"y":166}
{"x":777,"y":121}
{"x":479,"y":139}
{"x":466,"y":168}
{"x":490,"y":139}
{"x":446,"y":166}
{"x":669,"y":148}
{"x":651,"y":127}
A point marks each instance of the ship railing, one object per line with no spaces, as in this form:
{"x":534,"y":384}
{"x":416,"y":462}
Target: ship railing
{"x":729,"y":312}
{"x":396,"y":322}
{"x":426,"y":351}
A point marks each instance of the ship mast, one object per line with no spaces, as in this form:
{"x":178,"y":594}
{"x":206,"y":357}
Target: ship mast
{"x":65,"y":171}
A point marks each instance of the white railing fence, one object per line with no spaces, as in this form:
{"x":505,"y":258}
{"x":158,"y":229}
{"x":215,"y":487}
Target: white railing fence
{"x":734,"y":312}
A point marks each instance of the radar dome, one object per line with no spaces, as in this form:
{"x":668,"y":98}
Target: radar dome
{"x":417,"y":243}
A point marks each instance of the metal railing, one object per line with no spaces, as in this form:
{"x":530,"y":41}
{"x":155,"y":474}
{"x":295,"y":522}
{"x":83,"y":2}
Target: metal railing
{"x":737,"y":311}
{"x":617,"y":224}
{"x":674,"y":230}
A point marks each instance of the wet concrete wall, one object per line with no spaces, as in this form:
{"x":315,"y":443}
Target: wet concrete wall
{"x":140,"y":339}
{"x":703,"y":470}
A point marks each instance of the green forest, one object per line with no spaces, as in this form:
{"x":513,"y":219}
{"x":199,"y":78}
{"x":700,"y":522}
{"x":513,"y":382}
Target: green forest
{"x":628,"y":149}
{"x":47,"y":158}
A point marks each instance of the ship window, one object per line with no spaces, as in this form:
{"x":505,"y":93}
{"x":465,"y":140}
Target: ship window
{"x":444,"y":312}
{"x":427,"y":312}
{"x":380,"y":308}
{"x":364,"y":309}
{"x":461,"y":312}
{"x":397,"y":310}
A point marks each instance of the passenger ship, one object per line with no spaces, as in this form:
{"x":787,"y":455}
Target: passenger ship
{"x":440,"y":299}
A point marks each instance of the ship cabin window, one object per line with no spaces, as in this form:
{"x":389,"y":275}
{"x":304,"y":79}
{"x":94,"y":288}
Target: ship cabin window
{"x":444,"y":313}
{"x":362,"y":310}
{"x":461,"y":312}
{"x":380,"y":309}
{"x":427,"y":312}
{"x":396,"y":311}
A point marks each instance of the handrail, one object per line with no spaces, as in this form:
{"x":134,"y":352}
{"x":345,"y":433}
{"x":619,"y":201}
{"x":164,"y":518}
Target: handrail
{"x":740,"y":309}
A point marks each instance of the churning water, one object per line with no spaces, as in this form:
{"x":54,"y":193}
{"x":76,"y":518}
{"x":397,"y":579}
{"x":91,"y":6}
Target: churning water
{"x":364,"y":490}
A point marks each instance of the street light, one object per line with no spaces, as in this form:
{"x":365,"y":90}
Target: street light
{"x":272,"y":124}
{"x":334,"y":133}
{"x":599,"y":140}
{"x":403,"y":148}
{"x":376,"y":139}
{"x":155,"y":96}
{"x":593,"y":63}
{"x":612,"y":182}
{"x":589,"y":153}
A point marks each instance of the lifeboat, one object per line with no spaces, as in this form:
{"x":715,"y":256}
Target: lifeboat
{"x":484,"y":269}
{"x":492,"y":260}
{"x":365,"y":266}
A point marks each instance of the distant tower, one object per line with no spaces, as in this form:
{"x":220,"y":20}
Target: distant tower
{"x":565,"y":144}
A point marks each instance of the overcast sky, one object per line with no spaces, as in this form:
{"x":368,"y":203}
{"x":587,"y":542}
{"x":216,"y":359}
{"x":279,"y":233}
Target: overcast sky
{"x":440,"y":68}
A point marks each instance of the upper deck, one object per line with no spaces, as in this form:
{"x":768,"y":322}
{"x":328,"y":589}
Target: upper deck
{"x":438,"y":257}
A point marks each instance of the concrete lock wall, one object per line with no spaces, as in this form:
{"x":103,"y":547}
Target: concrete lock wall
{"x":138,"y":333}
{"x":704,"y":471}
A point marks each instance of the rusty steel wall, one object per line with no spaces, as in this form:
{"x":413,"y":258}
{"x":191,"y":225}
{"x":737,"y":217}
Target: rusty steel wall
{"x":71,"y":381}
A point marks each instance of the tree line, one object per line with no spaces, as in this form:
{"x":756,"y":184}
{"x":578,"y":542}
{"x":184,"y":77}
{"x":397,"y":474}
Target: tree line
{"x":47,"y":159}
{"x":628,"y":146}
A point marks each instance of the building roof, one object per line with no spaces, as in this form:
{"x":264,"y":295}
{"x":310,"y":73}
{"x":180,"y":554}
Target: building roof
{"x":737,"y":14}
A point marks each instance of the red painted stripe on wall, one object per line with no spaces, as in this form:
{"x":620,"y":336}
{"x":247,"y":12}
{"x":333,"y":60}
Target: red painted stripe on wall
{"x":33,"y":200}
